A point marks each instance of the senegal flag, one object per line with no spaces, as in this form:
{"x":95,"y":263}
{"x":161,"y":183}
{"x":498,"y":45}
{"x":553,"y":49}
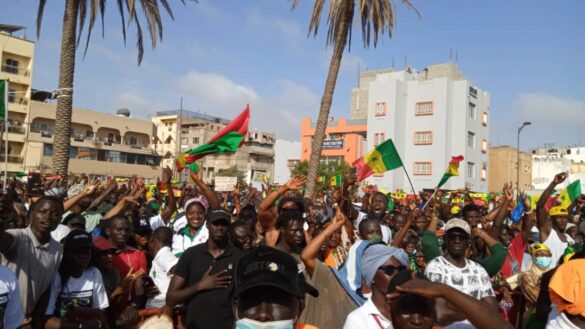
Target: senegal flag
{"x":3,"y":99}
{"x":379,"y":160}
{"x":452,"y":170}
{"x":335,"y":181}
{"x":569,"y":194}
{"x":321,"y":179}
{"x":229,"y":139}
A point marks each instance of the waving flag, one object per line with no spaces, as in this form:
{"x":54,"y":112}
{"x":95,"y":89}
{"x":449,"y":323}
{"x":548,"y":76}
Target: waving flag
{"x":452,"y":170}
{"x":569,"y":194}
{"x":229,"y":139}
{"x":379,"y":160}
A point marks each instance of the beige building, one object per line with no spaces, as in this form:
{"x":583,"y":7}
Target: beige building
{"x":502,"y":168}
{"x":254,"y":157}
{"x":16,"y":58}
{"x":102,"y":144}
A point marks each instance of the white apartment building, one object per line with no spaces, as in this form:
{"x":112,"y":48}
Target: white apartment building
{"x":547,"y":162}
{"x":430,"y":115}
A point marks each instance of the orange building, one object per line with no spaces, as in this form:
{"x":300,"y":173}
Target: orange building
{"x":345,"y":139}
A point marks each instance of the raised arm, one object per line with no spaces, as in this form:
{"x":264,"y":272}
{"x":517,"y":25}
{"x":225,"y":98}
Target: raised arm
{"x":542,"y":220}
{"x":309,"y":254}
{"x":401,"y":234}
{"x":496,"y":228}
{"x":265,"y":216}
{"x":119,"y":207}
{"x":96,"y":202}
{"x":210,"y":195}
{"x":88,"y":190}
{"x":167,"y":175}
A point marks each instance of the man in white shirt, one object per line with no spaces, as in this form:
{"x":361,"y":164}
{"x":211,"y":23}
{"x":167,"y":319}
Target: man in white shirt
{"x":11,"y":315}
{"x":162,"y":265}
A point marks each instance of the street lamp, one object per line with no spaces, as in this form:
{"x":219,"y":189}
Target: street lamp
{"x":526,"y":123}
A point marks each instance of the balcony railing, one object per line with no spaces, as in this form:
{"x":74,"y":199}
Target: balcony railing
{"x":15,"y":70}
{"x":17,"y":100}
{"x":11,"y":158}
{"x":16,"y":129}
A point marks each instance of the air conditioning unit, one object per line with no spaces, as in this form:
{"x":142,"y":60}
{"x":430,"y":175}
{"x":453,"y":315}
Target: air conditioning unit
{"x":47,"y":134}
{"x":78,"y":137}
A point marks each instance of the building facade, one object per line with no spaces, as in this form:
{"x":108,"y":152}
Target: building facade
{"x":255,"y":157}
{"x":102,"y":144}
{"x":430,"y":115}
{"x":16,"y":58}
{"x":502,"y":165}
{"x":547,"y":162}
{"x":344,"y":141}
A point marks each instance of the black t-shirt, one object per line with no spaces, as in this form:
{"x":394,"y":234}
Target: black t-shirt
{"x":210,"y":308}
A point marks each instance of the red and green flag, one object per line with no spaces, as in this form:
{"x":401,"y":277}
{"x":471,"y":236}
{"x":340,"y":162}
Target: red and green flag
{"x":335,"y":181}
{"x":452,"y":170}
{"x":383,"y":158}
{"x":228,"y":139}
{"x":3,"y":99}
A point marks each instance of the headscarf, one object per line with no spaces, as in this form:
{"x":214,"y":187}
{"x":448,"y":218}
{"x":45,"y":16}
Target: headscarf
{"x":375,"y":256}
{"x":567,"y":287}
{"x":199,"y":199}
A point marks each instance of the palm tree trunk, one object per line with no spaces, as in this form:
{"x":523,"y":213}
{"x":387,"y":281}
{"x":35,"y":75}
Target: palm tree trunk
{"x":339,"y":47}
{"x":62,"y":137}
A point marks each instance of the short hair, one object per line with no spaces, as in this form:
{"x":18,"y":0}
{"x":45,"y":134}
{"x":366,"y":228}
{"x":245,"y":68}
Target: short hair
{"x":42,"y":200}
{"x":117,"y":218}
{"x":248,"y":214}
{"x":468,"y":208}
{"x":299,"y":203}
{"x":239,"y":223}
{"x":164,"y":235}
{"x":382,"y":194}
{"x":287,"y":217}
{"x":366,"y":221}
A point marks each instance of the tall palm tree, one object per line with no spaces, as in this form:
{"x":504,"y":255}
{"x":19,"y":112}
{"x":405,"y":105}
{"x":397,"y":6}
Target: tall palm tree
{"x":75,"y":16}
{"x":376,"y":18}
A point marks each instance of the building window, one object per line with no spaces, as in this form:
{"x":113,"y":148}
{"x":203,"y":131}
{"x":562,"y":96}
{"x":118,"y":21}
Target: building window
{"x":133,"y":141}
{"x":484,"y":145}
{"x":424,"y":108}
{"x":470,"y":170}
{"x":470,"y":139}
{"x":484,"y":118}
{"x":472,"y":92}
{"x":380,"y":109}
{"x":423,"y":168}
{"x":184,"y":141}
{"x":10,"y":66}
{"x":472,"y":110}
{"x":195,"y":140}
{"x":379,"y":138}
{"x":423,"y":137}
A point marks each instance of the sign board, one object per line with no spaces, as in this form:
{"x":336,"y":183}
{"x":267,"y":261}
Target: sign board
{"x":225,"y":184}
{"x":260,"y":177}
{"x":332,"y":144}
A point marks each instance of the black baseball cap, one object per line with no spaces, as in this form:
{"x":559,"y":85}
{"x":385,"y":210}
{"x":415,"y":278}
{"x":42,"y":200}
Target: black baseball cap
{"x":218,"y":214}
{"x":142,"y":227}
{"x":270,"y":268}
{"x":77,"y":239}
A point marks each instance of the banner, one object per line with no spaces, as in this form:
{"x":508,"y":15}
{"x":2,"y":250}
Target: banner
{"x":225,"y":184}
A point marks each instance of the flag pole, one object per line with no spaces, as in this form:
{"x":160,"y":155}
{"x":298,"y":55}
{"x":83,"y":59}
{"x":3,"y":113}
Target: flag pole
{"x":409,"y":181}
{"x":5,"y":134}
{"x":432,"y":196}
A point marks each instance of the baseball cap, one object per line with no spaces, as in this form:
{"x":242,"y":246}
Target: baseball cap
{"x":558,"y":211}
{"x":217,"y":214}
{"x":102,"y":244}
{"x":457,"y":223}
{"x":142,"y":227}
{"x":270,"y":268}
{"x":77,"y":239}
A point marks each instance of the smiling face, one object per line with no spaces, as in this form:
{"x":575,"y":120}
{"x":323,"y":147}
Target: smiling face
{"x":195,"y":215}
{"x":45,"y":217}
{"x":119,"y":232}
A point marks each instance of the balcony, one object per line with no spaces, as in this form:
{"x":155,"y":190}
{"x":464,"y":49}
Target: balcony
{"x":12,"y":69}
{"x":16,"y":129}
{"x":11,"y":158}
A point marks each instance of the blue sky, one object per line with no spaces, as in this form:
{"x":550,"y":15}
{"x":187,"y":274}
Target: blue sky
{"x":219,"y":55}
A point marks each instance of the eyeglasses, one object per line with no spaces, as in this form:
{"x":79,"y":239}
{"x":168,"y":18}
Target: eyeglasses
{"x":391,"y":269}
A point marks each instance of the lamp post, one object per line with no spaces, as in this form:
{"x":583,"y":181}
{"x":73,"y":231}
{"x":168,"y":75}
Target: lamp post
{"x":526,"y":123}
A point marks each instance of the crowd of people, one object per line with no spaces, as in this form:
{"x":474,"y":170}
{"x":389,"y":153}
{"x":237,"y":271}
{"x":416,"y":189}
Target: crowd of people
{"x":88,"y":253}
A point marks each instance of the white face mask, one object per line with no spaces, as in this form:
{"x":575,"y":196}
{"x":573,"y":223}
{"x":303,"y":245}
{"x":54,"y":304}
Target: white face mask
{"x":251,"y":324}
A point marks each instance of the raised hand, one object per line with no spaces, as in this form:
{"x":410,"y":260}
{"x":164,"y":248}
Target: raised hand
{"x":422,"y":288}
{"x":508,"y":191}
{"x":218,"y":280}
{"x":339,"y":219}
{"x":560,"y":177}
{"x":167,"y":175}
{"x":296,"y":182}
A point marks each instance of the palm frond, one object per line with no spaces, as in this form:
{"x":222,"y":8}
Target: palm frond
{"x":139,"y":41}
{"x":95,"y":8}
{"x":121,"y":11}
{"x":81,"y":14}
{"x":40,"y":11}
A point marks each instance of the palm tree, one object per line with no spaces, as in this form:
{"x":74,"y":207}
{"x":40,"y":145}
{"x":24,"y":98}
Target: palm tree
{"x":376,"y":18}
{"x":76,"y":13}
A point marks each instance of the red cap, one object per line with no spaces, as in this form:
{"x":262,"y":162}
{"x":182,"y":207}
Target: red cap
{"x":100,"y":243}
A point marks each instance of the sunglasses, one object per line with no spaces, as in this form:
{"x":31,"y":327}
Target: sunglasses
{"x":460,"y":237}
{"x":391,"y":269}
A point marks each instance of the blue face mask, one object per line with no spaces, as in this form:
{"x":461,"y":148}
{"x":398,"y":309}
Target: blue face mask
{"x":251,"y":324}
{"x":543,"y":262}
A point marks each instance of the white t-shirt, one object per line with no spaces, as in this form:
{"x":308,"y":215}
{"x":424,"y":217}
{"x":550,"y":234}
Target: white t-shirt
{"x":472,"y":280}
{"x":85,"y":291}
{"x":182,"y":242}
{"x":386,"y":232}
{"x":10,"y":309}
{"x":367,"y":316}
{"x":60,"y":232}
{"x":556,"y":246}
{"x":561,"y":322}
{"x":162,"y":263}
{"x":156,"y":221}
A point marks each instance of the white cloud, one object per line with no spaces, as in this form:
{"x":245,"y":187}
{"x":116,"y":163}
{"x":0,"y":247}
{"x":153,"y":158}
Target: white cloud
{"x":279,"y":111}
{"x":288,"y":28}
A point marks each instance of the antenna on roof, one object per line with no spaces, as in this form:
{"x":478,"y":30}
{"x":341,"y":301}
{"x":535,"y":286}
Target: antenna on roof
{"x":456,"y":56}
{"x":392,"y":61}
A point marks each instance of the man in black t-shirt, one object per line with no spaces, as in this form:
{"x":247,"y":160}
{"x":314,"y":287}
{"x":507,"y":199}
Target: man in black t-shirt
{"x":203,"y":277}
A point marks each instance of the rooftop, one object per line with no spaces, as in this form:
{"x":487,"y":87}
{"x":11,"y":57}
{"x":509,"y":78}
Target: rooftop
{"x":193,"y":115}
